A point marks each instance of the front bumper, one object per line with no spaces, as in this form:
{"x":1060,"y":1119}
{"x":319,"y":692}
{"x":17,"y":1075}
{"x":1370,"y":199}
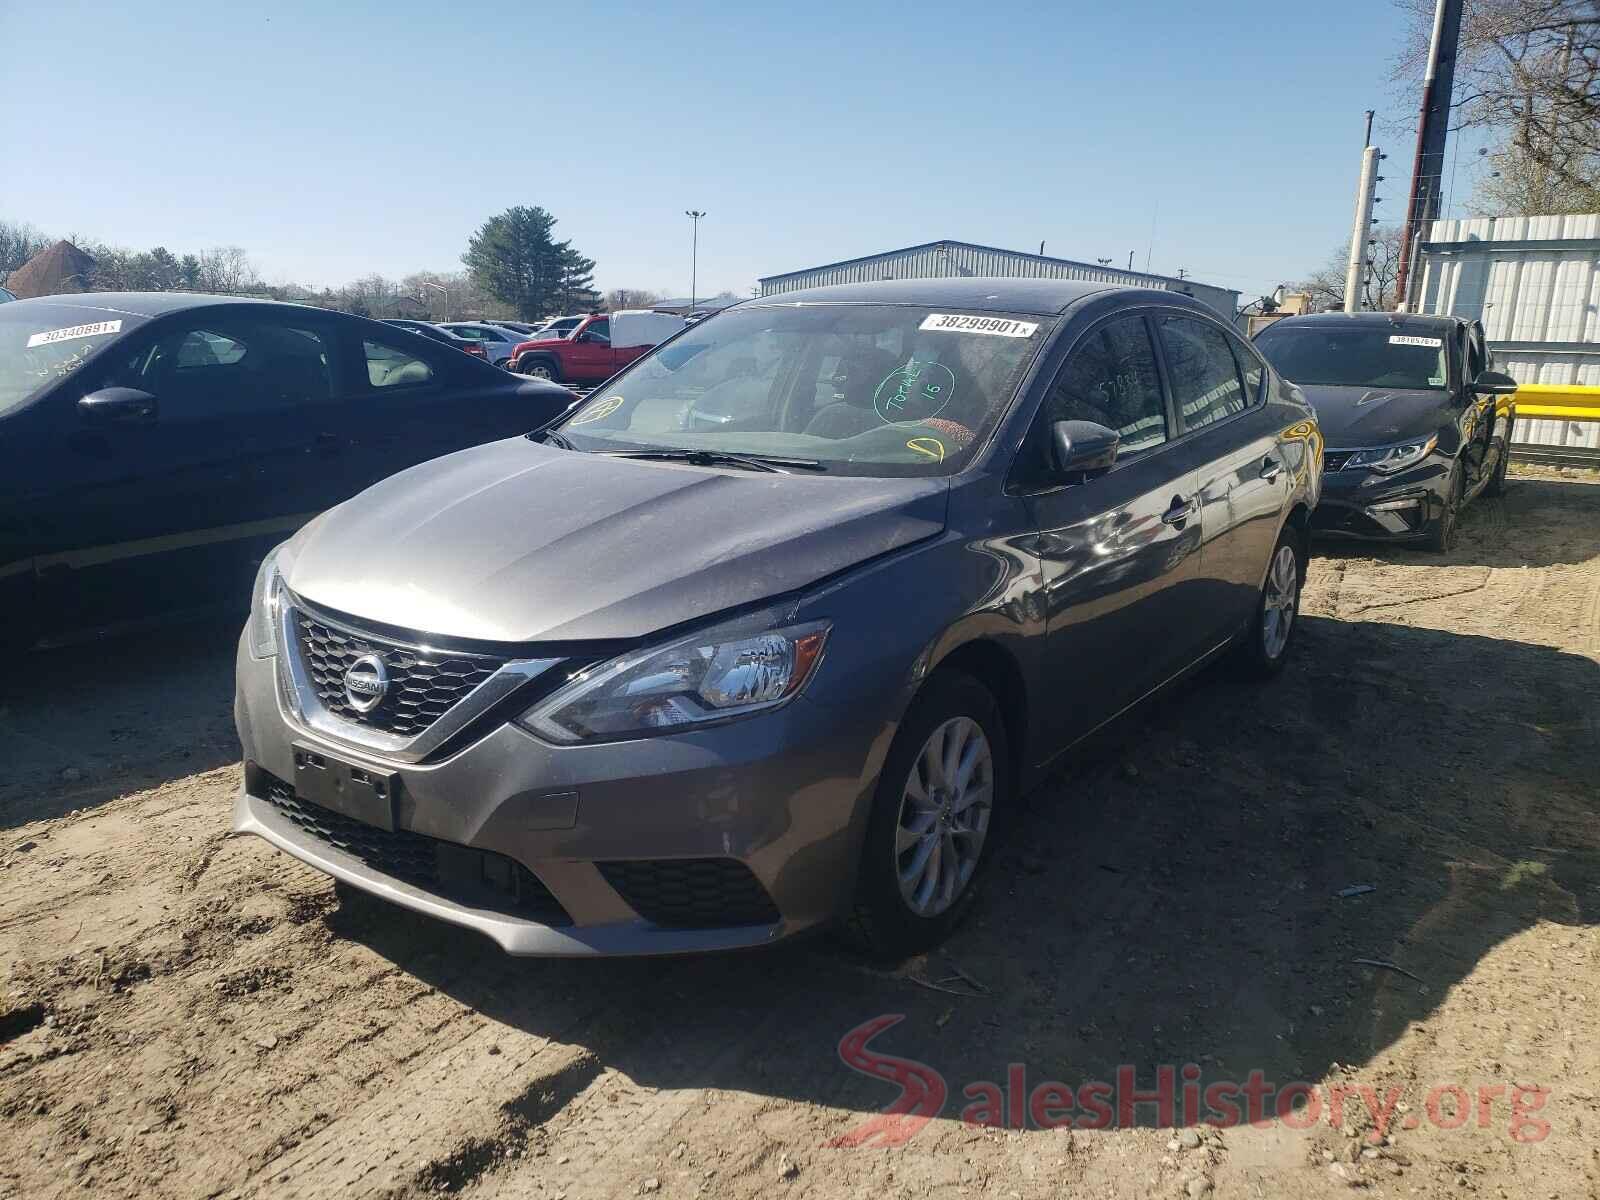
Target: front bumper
{"x":1373,"y":507}
{"x":642,"y":846}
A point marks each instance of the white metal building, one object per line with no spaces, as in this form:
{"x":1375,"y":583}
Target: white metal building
{"x":1534,"y":282}
{"x":940,"y":260}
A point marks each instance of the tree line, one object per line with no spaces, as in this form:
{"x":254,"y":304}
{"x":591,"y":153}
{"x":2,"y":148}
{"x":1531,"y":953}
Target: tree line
{"x":514,"y":267}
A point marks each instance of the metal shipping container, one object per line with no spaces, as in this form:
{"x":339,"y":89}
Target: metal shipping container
{"x":1534,"y":282}
{"x":939,"y":260}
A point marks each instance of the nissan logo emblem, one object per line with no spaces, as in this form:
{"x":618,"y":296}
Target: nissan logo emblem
{"x":366,"y":682}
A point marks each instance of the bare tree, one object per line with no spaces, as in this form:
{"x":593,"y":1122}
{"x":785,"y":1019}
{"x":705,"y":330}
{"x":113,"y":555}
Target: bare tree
{"x":19,"y":242}
{"x":228,"y":269}
{"x":631,"y":298}
{"x":1528,"y":72}
{"x":1326,"y":285}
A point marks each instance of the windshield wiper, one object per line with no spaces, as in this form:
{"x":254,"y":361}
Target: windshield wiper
{"x":551,"y":438}
{"x":721,"y":458}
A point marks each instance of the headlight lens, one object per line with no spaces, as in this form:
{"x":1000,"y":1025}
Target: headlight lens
{"x":719,"y":675}
{"x":1386,"y":460}
{"x":264,"y":601}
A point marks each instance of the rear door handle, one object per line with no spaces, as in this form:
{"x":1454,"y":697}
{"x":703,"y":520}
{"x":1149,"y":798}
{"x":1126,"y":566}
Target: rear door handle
{"x":1180,"y":511}
{"x":1270,"y":468}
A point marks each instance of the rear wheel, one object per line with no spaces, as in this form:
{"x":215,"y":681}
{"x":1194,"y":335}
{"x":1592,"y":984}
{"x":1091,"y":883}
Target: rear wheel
{"x":1266,"y":648}
{"x":1442,"y":533}
{"x":930,"y":833}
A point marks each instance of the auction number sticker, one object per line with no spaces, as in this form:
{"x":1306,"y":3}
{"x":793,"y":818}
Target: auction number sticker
{"x":1400,"y":339}
{"x":97,"y":329}
{"x":994,"y":326}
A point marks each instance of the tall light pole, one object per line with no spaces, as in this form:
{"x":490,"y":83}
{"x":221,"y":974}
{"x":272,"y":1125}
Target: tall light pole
{"x":694,"y":214}
{"x":440,"y":288}
{"x":1361,"y":231}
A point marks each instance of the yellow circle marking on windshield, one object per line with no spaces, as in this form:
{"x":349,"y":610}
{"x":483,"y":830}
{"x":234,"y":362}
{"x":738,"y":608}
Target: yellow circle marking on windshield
{"x":600,"y":411}
{"x":931,"y":447}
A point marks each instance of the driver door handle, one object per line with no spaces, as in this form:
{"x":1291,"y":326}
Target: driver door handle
{"x":1270,"y":467}
{"x":1180,"y":511}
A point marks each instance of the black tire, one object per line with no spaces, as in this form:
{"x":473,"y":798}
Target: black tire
{"x":1266,"y":644}
{"x":1442,"y":533}
{"x":1497,"y":481}
{"x":541,"y":368}
{"x":882,"y":922}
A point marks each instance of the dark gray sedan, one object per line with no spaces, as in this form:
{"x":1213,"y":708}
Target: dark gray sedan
{"x":771,"y":632}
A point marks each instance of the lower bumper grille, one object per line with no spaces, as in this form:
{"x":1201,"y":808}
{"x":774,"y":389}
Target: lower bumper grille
{"x":476,"y":878}
{"x":692,"y":893}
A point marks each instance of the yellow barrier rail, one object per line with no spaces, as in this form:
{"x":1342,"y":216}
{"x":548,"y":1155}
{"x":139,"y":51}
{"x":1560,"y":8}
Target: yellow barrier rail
{"x":1552,"y":401}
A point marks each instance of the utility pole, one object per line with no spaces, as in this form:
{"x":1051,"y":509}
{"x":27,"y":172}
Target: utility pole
{"x":1366,"y":188}
{"x":694,"y":214}
{"x":1438,"y":87}
{"x":1130,"y":260}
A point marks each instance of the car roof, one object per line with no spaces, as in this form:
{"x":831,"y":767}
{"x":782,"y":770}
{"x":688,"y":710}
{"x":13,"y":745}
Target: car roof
{"x":1421,"y":322}
{"x":147,"y":304}
{"x":984,"y":294}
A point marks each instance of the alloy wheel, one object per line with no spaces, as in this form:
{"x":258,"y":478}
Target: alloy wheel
{"x":1279,"y":602}
{"x":944,"y":816}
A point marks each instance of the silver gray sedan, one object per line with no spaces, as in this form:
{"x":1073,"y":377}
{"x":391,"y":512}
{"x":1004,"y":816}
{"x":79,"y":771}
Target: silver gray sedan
{"x":771,"y":632}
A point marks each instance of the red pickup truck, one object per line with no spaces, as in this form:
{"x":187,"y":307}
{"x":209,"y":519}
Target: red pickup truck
{"x":601,"y":345}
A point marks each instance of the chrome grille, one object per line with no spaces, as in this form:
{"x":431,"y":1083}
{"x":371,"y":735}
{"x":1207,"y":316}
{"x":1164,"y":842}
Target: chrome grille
{"x":423,"y":684}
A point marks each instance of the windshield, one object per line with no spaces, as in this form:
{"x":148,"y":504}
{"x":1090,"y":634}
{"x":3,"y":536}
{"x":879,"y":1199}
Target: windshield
{"x":39,"y":345}
{"x":861,"y":389}
{"x":1362,"y":358}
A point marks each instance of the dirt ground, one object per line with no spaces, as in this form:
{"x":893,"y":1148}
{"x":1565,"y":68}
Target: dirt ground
{"x":187,"y":1014}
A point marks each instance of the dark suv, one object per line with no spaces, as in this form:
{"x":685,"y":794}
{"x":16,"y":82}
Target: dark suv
{"x":1417,"y":422}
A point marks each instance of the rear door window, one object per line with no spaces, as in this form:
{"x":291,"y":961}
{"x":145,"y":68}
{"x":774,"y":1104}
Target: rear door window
{"x":388,"y":366}
{"x":1206,"y":385}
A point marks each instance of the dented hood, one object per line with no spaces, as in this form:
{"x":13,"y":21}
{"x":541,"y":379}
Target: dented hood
{"x":520,"y":542}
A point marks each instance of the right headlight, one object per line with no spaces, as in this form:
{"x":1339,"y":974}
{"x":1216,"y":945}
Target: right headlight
{"x":1386,"y":460}
{"x":265,"y":598}
{"x":727,"y":672}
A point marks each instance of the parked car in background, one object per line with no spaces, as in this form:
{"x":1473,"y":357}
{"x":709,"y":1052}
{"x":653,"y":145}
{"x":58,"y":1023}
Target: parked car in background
{"x":153,"y":446}
{"x":522,"y":327}
{"x":651,"y":690}
{"x":559,"y":327}
{"x":6,"y":297}
{"x":438,"y":333}
{"x":1417,"y":420}
{"x":497,"y":343}
{"x":598,"y":346}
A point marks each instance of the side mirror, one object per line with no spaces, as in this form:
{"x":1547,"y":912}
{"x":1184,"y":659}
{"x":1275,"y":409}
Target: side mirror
{"x":1493,"y":383}
{"x":1082,"y":447}
{"x":118,"y":406}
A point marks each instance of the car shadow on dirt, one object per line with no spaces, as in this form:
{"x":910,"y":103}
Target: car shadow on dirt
{"x":1173,"y":897}
{"x":84,"y":724}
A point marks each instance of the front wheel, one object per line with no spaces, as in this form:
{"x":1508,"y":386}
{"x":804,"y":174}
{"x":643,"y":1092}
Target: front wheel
{"x":1442,"y":533}
{"x":930,"y":833}
{"x":542,"y":368}
{"x":1497,"y":482}
{"x":1266,"y":647}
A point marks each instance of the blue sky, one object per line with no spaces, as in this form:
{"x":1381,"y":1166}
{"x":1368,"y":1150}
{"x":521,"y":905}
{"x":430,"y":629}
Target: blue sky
{"x":334,"y":140}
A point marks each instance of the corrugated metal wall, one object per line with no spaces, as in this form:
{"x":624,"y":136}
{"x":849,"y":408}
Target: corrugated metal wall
{"x":1534,"y":282}
{"x":948,"y":259}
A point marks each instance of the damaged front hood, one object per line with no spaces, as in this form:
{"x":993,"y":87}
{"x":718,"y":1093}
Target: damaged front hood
{"x":520,"y":542}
